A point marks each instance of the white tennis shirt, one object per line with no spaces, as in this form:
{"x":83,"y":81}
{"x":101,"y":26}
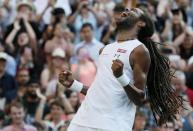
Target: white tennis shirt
{"x":106,"y":105}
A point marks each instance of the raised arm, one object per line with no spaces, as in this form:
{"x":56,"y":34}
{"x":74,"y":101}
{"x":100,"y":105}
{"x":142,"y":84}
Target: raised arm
{"x":60,"y":94}
{"x":66,"y":79}
{"x":50,"y":3}
{"x":40,"y":109}
{"x":72,"y":18}
{"x":140,"y":62}
{"x":11,"y":36}
{"x":31,"y":33}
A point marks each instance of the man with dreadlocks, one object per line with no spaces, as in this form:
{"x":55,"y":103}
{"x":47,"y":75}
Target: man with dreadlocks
{"x":125,"y":68}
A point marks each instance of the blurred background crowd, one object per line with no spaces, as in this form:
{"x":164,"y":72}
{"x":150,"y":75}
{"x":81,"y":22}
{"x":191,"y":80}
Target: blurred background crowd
{"x":39,"y":38}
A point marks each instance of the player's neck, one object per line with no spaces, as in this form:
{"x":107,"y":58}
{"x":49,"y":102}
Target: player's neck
{"x":127,"y":35}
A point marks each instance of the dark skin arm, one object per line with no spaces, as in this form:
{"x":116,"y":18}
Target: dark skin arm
{"x":140,"y":62}
{"x":66,"y":79}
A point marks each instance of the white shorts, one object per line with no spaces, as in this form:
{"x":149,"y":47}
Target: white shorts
{"x":75,"y":127}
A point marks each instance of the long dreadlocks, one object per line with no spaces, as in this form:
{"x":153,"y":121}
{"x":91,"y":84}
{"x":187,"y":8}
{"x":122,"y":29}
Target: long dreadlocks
{"x":164,"y":102}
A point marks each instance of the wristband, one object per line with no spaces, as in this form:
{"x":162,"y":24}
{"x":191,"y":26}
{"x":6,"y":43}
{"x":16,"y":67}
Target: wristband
{"x":123,"y":80}
{"x":76,"y":86}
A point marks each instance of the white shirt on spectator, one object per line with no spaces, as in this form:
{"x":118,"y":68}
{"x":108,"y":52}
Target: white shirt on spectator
{"x":51,"y":88}
{"x":190,"y":61}
{"x":51,"y":125}
{"x":93,"y":48}
{"x":2,"y":103}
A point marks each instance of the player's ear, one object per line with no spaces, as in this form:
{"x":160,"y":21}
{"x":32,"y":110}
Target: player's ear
{"x":141,"y":24}
{"x":124,"y":14}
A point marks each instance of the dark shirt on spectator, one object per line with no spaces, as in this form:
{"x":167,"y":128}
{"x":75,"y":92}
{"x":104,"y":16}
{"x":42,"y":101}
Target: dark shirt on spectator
{"x":184,"y":55}
{"x":8,"y":86}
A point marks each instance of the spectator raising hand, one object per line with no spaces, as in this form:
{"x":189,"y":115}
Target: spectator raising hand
{"x":57,"y":109}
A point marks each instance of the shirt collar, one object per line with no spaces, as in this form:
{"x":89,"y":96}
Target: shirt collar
{"x":93,"y":41}
{"x":58,"y":125}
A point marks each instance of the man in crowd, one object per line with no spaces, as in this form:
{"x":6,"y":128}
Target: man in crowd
{"x":91,"y":44}
{"x":17,"y":116}
{"x":7,"y":82}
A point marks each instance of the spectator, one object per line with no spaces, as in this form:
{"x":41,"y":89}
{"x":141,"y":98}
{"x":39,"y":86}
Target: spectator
{"x":4,"y":19}
{"x":2,"y":118}
{"x":188,"y":122}
{"x":180,"y":86}
{"x":24,"y":30}
{"x":177,"y":24}
{"x":176,"y":62}
{"x":169,"y":126}
{"x":58,"y":41}
{"x":22,"y":77}
{"x":45,"y":13}
{"x":140,"y":121}
{"x":45,"y":7}
{"x":56,"y":112}
{"x":17,"y":116}
{"x":7,"y":82}
{"x":186,"y":47}
{"x":109,"y":32}
{"x":57,"y":64}
{"x":30,"y":101}
{"x":84,"y":14}
{"x":11,"y":64}
{"x":89,"y":42}
{"x":85,"y":69}
{"x":29,"y":61}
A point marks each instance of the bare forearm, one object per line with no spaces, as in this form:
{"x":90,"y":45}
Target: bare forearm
{"x":30,"y":30}
{"x":39,"y":111}
{"x":134,"y":94}
{"x":73,"y":17}
{"x":67,"y":105}
{"x":179,"y":40}
{"x":32,"y":36}
{"x":96,"y":16}
{"x":11,"y":36}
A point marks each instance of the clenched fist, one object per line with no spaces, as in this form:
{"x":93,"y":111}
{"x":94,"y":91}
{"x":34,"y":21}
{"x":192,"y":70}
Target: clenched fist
{"x":117,"y":68}
{"x":65,"y":78}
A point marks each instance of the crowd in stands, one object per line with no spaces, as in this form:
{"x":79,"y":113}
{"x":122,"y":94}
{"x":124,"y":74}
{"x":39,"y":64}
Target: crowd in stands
{"x":39,"y":38}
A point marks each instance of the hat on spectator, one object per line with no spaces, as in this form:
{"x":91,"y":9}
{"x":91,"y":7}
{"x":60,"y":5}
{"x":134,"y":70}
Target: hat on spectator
{"x":58,"y":52}
{"x":24,"y":3}
{"x":3,"y":56}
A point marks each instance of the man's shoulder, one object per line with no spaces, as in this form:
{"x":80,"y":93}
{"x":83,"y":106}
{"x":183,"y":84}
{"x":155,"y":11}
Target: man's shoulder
{"x":8,"y":76}
{"x":97,"y":42}
{"x":141,"y":49}
{"x":80,"y":44}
